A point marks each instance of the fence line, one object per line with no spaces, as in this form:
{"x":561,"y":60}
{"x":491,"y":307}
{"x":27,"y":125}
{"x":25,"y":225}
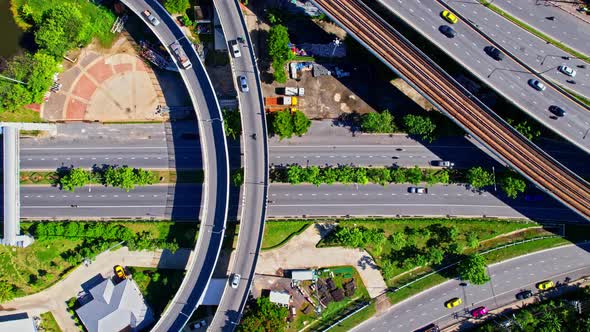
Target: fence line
{"x":347,"y":316}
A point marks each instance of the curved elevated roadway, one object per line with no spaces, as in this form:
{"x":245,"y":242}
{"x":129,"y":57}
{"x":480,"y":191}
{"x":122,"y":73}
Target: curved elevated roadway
{"x":456,"y":102}
{"x":255,"y":187}
{"x":215,"y":163}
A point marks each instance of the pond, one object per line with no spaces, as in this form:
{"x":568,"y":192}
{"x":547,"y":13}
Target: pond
{"x":13,"y":38}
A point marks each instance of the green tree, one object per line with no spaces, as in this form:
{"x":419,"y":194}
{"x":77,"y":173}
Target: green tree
{"x":530,"y":131}
{"x":435,"y":255}
{"x":388,"y":269}
{"x":7,"y":291}
{"x":279,"y":73}
{"x":414,"y":175}
{"x":421,"y":126}
{"x":62,"y":27}
{"x":398,"y":240}
{"x":232,"y":123}
{"x":264,"y":316}
{"x":378,"y":123}
{"x":512,"y":184}
{"x":278,"y":44}
{"x":295,"y":174}
{"x":300,"y":123}
{"x":122,"y":177}
{"x":473,"y":269}
{"x":472,"y":240}
{"x":479,"y":178}
{"x":238,"y":177}
{"x":398,"y":175}
{"x":74,"y":178}
{"x":282,"y":124}
{"x":176,"y":6}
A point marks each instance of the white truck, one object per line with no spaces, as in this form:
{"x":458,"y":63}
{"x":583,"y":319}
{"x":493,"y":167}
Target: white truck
{"x":293,"y":91}
{"x":181,"y":57}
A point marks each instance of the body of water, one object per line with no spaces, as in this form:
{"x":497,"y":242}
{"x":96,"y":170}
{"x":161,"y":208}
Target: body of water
{"x":12,"y":36}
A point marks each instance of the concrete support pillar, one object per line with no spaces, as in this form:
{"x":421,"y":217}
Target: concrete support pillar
{"x":11,"y":185}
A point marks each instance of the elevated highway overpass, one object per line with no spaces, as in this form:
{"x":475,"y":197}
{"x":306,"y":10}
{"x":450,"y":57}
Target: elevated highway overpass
{"x":255,"y":187}
{"x":215,"y":163}
{"x":458,"y":103}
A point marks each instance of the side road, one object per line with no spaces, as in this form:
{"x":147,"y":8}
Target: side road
{"x":54,"y":298}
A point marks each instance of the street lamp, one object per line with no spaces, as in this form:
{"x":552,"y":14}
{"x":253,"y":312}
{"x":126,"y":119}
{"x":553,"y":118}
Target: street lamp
{"x":337,"y":43}
{"x":494,"y":174}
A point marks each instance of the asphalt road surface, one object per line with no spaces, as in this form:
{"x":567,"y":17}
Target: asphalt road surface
{"x":535,"y":52}
{"x":255,"y":162}
{"x":183,"y":202}
{"x":507,"y":77}
{"x":566,"y":28}
{"x":215,"y":162}
{"x":177,"y":146}
{"x":508,"y":278}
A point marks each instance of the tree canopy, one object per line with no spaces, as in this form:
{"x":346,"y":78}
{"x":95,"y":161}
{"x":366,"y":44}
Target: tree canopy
{"x":232,"y":123}
{"x":286,"y":123}
{"x":279,"y":51}
{"x":62,"y":27}
{"x":473,"y":269}
{"x":264,"y":316}
{"x":479,"y":178}
{"x":300,"y":123}
{"x":512,"y":184}
{"x":421,"y":126}
{"x":378,"y":123}
{"x":176,"y":6}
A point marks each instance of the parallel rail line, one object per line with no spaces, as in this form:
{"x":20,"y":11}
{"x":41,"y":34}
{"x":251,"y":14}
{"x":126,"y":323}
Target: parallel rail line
{"x":459,"y":104}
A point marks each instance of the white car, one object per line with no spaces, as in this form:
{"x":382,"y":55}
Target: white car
{"x":235,"y":280}
{"x":442,"y":163}
{"x":243,"y":84}
{"x":567,"y":70}
{"x":235,"y":49}
{"x":537,"y":85}
{"x":151,"y":17}
{"x":418,"y":190}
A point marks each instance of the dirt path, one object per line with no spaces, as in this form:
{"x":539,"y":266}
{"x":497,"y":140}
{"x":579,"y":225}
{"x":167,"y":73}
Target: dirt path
{"x":301,"y":252}
{"x":54,"y":298}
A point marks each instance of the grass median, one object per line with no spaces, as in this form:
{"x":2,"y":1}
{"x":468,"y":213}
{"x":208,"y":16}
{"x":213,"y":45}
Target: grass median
{"x":162,"y":177}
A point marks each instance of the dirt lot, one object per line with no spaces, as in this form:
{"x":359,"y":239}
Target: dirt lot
{"x":371,"y":86}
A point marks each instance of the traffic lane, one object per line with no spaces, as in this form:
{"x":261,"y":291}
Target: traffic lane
{"x":395,"y":200}
{"x":566,"y":28}
{"x":508,"y":278}
{"x":543,"y":57}
{"x":507,"y":77}
{"x":178,"y":202}
{"x":148,"y":157}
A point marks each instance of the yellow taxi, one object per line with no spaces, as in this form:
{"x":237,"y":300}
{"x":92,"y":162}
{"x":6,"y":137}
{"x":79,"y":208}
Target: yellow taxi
{"x":450,"y":17}
{"x":453,"y":302}
{"x":120,"y":272}
{"x":545,"y":285}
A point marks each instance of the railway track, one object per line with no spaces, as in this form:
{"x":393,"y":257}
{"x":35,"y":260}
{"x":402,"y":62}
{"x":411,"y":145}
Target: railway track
{"x":458,"y":103}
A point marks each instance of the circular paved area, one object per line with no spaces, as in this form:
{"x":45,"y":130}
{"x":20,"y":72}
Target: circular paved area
{"x":117,"y":87}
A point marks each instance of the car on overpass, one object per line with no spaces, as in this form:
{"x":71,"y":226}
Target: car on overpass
{"x":494,"y":53}
{"x":447,"y":31}
{"x":537,"y":85}
{"x":558,"y":111}
{"x":567,"y":70}
{"x":243,"y":84}
{"x":449,"y":17}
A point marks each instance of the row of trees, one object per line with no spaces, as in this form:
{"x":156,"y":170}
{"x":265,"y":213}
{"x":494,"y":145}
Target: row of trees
{"x":510,"y":182}
{"x":416,"y":125}
{"x":123,"y":177}
{"x":97,"y":237}
{"x":232,"y":123}
{"x":279,"y":51}
{"x":287,"y":123}
{"x":295,"y":174}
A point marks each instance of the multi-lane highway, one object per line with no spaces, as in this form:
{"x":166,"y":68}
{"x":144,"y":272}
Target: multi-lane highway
{"x":215,"y":161}
{"x":508,"y":278}
{"x":182,"y":202}
{"x":564,"y":27}
{"x":448,"y":96}
{"x":255,"y":162}
{"x":535,"y":52}
{"x":507,"y":77}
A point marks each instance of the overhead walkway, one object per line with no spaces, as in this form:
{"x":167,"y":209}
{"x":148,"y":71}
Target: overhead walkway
{"x":215,"y":164}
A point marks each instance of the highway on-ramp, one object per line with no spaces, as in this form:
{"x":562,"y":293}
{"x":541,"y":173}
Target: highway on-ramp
{"x":255,"y":187}
{"x":507,"y":77}
{"x":216,"y":164}
{"x":508,"y":278}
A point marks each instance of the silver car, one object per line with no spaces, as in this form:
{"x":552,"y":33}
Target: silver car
{"x":243,"y":84}
{"x":235,"y":280}
{"x":418,"y":190}
{"x":537,"y":85}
